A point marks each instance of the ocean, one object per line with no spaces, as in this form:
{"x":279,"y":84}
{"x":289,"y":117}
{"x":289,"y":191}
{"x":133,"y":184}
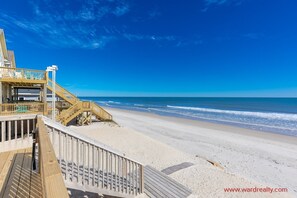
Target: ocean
{"x":276,"y":115}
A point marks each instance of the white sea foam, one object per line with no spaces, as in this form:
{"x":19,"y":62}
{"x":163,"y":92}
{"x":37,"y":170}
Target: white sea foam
{"x":139,"y":105}
{"x":113,"y":102}
{"x":232,"y":121}
{"x":99,"y":101}
{"x":266,"y":115}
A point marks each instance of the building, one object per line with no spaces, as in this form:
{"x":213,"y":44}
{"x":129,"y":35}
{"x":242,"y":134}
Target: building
{"x":26,"y":91}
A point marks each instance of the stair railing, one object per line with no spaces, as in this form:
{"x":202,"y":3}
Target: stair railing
{"x":88,"y":163}
{"x":99,"y":111}
{"x":65,"y":115}
{"x":63,"y":93}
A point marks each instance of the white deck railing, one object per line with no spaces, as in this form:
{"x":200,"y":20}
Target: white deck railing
{"x":85,"y":162}
{"x":15,"y":131}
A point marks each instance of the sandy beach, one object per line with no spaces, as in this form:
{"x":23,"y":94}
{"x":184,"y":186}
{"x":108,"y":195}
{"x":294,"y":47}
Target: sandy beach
{"x":243,"y":158}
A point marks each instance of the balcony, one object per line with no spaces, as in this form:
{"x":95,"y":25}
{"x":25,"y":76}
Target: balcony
{"x":22,"y":76}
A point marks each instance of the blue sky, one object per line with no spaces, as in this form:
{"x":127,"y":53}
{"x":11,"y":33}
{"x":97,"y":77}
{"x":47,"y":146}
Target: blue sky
{"x":158,"y":47}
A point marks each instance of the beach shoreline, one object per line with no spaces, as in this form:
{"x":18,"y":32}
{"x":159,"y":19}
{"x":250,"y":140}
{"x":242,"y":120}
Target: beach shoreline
{"x":244,"y":158}
{"x":212,"y":125}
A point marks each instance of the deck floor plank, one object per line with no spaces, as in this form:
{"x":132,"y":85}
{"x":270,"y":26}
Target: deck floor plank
{"x":23,"y":189}
{"x":16,"y":176}
{"x":5,"y":159}
{"x":157,"y":184}
{"x":166,"y":183}
{"x":171,"y":182}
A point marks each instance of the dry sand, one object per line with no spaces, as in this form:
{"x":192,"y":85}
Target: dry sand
{"x":249,"y":158}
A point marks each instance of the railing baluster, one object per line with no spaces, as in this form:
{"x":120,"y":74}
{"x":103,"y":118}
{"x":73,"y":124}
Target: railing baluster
{"x":83,"y":163}
{"x":93,"y":150}
{"x":72,"y":158}
{"x":111,"y":173}
{"x":102,"y":185}
{"x":15,"y":130}
{"x":66,"y":156}
{"x":126,"y":174}
{"x":136,"y":185}
{"x":107,"y":165}
{"x":118,"y":174}
{"x":9,"y":130}
{"x":115,"y":172}
{"x":22,"y":129}
{"x":3,"y":131}
{"x":28,"y":129}
{"x":77,"y":155}
{"x":141,"y":178}
{"x":98,"y":166}
{"x":88,"y":164}
{"x":131,"y":178}
{"x":60,"y":149}
{"x":122,"y":175}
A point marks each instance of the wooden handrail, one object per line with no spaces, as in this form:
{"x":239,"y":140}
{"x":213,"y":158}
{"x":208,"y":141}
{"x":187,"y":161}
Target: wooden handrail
{"x":101,"y":112}
{"x":63,"y":93}
{"x":49,"y":169}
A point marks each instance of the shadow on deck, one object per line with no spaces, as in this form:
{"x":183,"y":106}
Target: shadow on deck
{"x":16,"y":176}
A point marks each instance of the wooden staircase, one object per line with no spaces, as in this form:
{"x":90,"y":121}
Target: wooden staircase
{"x":84,"y":109}
{"x":62,"y":93}
{"x":81,"y":107}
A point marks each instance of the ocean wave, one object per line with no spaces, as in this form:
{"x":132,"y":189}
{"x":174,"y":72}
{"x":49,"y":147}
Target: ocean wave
{"x":113,"y":102}
{"x":229,"y":121}
{"x":139,"y":105}
{"x":102,"y":102}
{"x":281,"y":116}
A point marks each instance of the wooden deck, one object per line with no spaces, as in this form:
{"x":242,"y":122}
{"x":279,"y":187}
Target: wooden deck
{"x":159,"y":185}
{"x":16,"y":176}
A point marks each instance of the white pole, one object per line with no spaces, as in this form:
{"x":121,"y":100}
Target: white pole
{"x":54,"y":96}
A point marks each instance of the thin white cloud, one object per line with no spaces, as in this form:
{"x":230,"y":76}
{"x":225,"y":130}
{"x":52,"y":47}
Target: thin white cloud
{"x":218,"y":2}
{"x":121,"y":10}
{"x":81,"y":27}
{"x":135,"y":37}
{"x":209,"y":3}
{"x":71,"y":28}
